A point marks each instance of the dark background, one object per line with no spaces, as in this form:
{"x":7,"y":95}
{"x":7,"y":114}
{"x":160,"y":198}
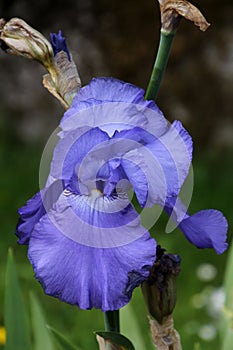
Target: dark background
{"x":119,"y":39}
{"x":114,"y":38}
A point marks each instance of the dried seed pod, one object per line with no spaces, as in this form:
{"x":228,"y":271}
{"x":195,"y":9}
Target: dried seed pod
{"x":173,"y":10}
{"x":23,"y":40}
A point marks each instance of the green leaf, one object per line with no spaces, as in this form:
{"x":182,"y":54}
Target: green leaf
{"x":42,"y":337}
{"x":16,"y":322}
{"x":116,"y":339}
{"x":227,"y":315}
{"x":130,"y":327}
{"x":62,"y":340}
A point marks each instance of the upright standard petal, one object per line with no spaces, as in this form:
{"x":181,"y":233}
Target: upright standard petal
{"x":173,"y":151}
{"x":113,"y":105}
{"x":158,"y":169}
{"x":72,"y":149}
{"x":111,"y":90}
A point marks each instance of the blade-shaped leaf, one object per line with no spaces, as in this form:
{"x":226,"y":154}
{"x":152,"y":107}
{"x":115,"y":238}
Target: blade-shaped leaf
{"x":131,"y":328}
{"x":116,"y":338}
{"x":16,"y":322}
{"x":41,"y":335}
{"x":62,"y":340}
{"x":227,"y":318}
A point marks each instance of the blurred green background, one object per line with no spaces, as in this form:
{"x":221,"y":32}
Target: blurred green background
{"x":119,"y":38}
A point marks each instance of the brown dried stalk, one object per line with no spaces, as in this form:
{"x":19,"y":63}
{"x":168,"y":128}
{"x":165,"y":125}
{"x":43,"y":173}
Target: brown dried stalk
{"x":164,"y":336}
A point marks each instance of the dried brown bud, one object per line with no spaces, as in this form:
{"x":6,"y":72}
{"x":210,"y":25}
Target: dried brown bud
{"x":18,"y":38}
{"x":173,"y":10}
{"x":21,"y":39}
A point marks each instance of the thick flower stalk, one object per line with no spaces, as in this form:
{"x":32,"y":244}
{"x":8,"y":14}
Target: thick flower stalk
{"x":172,"y":11}
{"x":86,"y":242}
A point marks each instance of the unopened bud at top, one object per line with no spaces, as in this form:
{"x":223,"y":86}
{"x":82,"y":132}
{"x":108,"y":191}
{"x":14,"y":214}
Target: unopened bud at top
{"x":67,"y":78}
{"x":18,"y":38}
{"x":58,"y":42}
{"x":21,"y":39}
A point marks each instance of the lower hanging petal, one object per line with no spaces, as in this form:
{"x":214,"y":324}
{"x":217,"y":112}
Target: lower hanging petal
{"x":206,"y":229}
{"x":88,"y":276}
{"x":35,"y":208}
{"x":30,"y":214}
{"x":96,"y":220}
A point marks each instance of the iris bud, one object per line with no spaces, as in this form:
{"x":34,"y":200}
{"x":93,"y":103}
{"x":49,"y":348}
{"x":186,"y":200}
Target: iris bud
{"x":21,"y":39}
{"x":18,"y":38}
{"x":159,"y":290}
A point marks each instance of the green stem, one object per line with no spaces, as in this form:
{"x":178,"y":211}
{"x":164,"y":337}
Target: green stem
{"x":112,"y":324}
{"x":111,"y":319}
{"x":163,"y":53}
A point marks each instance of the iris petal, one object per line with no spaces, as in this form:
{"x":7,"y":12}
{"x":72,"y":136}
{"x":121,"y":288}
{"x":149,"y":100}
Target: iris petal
{"x":84,"y":275}
{"x":110,"y":90}
{"x":35,"y":208}
{"x":158,"y":169}
{"x":136,"y":170}
{"x":113,"y":105}
{"x":71,"y":150}
{"x":205,"y":229}
{"x":30,"y":214}
{"x":173,"y":152}
{"x":96,"y":220}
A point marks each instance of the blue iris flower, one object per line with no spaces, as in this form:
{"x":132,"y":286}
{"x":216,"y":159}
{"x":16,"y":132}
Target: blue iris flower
{"x":86,"y":241}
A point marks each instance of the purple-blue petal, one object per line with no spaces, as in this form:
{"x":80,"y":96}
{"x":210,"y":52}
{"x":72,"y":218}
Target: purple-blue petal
{"x":96,"y":220}
{"x":112,"y":90}
{"x":206,"y":229}
{"x":88,"y":276}
{"x":137,"y":134}
{"x":71,"y":150}
{"x":30,"y":214}
{"x":34,"y":209}
{"x":113,"y":105}
{"x":158,"y":169}
{"x":58,"y":43}
{"x":135,"y":168}
{"x":173,"y":150}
